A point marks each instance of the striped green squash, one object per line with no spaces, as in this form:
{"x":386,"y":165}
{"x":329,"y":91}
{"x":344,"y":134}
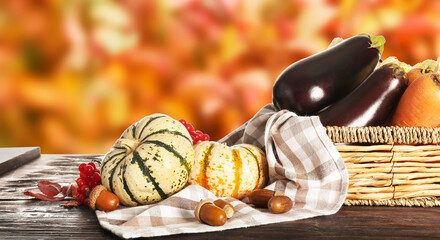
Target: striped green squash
{"x":149,"y":162}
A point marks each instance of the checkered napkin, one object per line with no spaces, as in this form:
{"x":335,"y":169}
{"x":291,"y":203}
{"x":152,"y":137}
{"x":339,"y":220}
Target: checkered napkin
{"x":303,"y":163}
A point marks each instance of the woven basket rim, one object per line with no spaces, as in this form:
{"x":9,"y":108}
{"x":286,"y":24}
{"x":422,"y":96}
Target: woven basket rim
{"x":384,"y":135}
{"x":398,"y":202}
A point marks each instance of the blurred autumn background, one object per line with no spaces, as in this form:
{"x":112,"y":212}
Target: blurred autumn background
{"x":75,"y":74}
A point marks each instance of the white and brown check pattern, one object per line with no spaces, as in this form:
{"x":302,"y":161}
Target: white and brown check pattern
{"x":303,"y":163}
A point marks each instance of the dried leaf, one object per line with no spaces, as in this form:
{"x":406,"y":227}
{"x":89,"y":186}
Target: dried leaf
{"x":67,"y":190}
{"x":43,"y":196}
{"x":49,"y":188}
{"x":70,"y":204}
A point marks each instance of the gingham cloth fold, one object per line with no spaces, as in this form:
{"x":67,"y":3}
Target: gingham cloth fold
{"x":303,"y":163}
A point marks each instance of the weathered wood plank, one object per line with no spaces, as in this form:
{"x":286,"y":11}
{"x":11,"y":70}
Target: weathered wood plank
{"x":348,"y":223}
{"x":57,"y":168}
{"x":13,"y":158}
{"x":22,"y":217}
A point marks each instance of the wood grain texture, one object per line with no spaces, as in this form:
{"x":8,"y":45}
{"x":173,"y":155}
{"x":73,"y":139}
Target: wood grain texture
{"x":22,"y":217}
{"x":13,"y":158}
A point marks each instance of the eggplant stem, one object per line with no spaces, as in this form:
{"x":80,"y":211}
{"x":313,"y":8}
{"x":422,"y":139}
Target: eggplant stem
{"x":335,"y":41}
{"x":377,"y":42}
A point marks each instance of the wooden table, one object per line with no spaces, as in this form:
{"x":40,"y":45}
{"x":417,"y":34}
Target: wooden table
{"x":24,"y":218}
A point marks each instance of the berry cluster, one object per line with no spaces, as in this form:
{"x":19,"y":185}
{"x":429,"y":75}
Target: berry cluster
{"x":196,"y":135}
{"x":89,"y":178}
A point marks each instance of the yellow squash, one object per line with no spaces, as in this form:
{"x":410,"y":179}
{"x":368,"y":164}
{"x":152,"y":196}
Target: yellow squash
{"x":229,"y":171}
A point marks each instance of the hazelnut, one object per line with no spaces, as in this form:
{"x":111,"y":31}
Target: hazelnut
{"x":226,"y":206}
{"x":74,"y":189}
{"x":260,"y":197}
{"x":207,"y":212}
{"x":279,"y":204}
{"x":102,"y":199}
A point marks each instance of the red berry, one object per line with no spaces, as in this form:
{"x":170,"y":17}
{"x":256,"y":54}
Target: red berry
{"x":86,"y":202}
{"x":89,"y":170}
{"x":92,"y":185}
{"x":89,"y":178}
{"x":205,"y":137}
{"x":84,"y":189}
{"x":83,"y":176}
{"x":96,"y":177}
{"x":190,"y":128}
{"x":80,"y":198}
{"x":80,"y":182}
{"x":81,"y":167}
{"x":93,"y":165}
{"x":199,"y":133}
{"x":195,"y":137}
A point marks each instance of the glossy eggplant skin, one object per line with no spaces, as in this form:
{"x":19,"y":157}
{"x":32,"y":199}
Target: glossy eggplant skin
{"x":311,"y":84}
{"x":370,"y":104}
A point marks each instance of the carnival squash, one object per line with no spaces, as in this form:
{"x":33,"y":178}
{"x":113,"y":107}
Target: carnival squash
{"x":229,"y":171}
{"x":149,"y":162}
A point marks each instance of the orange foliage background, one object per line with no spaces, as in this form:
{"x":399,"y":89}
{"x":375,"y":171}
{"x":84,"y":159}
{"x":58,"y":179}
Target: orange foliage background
{"x":75,"y":74}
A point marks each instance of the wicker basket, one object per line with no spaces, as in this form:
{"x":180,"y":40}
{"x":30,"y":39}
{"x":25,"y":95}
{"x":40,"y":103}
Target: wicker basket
{"x":390,"y":166}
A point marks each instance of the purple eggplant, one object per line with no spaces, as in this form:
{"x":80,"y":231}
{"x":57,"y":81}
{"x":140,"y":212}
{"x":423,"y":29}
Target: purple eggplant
{"x":372,"y":103}
{"x":311,"y":84}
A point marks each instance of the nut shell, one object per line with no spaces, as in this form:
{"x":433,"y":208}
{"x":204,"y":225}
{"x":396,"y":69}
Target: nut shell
{"x":199,"y":206}
{"x":226,"y":206}
{"x":206,"y":212}
{"x":94,"y":196}
{"x":280,"y":204}
{"x":260,"y":197}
